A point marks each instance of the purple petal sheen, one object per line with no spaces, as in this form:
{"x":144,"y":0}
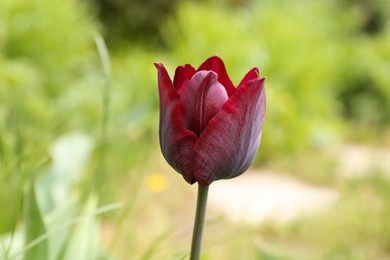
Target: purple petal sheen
{"x":201,"y":99}
{"x":176,"y":142}
{"x":182,"y":75}
{"x":216,"y":64}
{"x":228,"y":144}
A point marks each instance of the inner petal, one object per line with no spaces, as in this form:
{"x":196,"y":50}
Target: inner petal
{"x":216,"y":64}
{"x":201,"y":99}
{"x":182,"y":74}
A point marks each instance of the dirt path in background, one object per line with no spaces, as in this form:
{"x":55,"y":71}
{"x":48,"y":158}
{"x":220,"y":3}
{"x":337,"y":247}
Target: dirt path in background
{"x":261,"y":195}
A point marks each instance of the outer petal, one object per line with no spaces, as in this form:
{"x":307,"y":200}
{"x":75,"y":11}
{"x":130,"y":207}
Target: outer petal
{"x":182,"y":75}
{"x":216,"y":64}
{"x":176,"y":142}
{"x":252,"y":74}
{"x":229,"y":143}
{"x":201,"y":99}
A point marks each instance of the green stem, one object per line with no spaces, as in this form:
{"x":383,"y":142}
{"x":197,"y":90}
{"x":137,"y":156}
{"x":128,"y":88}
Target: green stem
{"x":199,"y":222}
{"x":106,"y":100}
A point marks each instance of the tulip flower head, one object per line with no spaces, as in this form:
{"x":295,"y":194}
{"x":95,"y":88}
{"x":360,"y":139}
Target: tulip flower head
{"x":210,"y":129}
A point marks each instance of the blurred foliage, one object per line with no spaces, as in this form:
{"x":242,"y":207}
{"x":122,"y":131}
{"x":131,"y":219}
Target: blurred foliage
{"x":57,"y":222}
{"x":319,"y":65}
{"x":45,"y":50}
{"x":44,"y":53}
{"x":301,"y":68}
{"x":364,"y":83}
{"x":373,"y":15}
{"x":327,"y":65}
{"x":133,"y":21}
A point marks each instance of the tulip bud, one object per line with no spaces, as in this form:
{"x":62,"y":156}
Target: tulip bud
{"x":209,"y":129}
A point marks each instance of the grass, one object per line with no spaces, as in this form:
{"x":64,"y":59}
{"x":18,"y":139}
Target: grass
{"x":158,"y":206}
{"x":157,"y":215}
{"x":160,"y":225}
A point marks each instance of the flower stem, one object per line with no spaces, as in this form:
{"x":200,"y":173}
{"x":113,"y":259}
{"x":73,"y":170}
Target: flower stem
{"x":199,"y":222}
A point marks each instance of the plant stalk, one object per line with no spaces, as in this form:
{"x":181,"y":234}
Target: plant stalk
{"x":199,"y":222}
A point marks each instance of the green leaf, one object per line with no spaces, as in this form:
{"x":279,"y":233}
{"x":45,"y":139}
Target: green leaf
{"x":84,"y":241}
{"x":34,"y":226}
{"x":57,"y":233}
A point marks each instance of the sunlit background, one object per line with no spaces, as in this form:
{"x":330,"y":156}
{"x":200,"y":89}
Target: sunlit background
{"x":81,"y":174}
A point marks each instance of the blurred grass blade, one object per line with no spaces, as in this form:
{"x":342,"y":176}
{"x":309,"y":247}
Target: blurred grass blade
{"x":45,"y":236}
{"x":102,"y":149}
{"x":11,"y":243}
{"x":264,"y":253}
{"x":34,"y":226}
{"x":57,"y":237}
{"x":104,"y":56}
{"x":85,"y":238}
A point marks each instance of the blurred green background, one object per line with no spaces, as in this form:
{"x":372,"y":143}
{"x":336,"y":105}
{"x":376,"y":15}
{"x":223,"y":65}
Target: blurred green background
{"x":327,"y":65}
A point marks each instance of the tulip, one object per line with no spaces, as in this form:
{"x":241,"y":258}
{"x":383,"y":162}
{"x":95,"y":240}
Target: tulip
{"x":209,"y":129}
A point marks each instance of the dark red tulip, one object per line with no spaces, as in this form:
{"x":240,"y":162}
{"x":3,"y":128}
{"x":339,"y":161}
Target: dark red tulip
{"x":209,"y":129}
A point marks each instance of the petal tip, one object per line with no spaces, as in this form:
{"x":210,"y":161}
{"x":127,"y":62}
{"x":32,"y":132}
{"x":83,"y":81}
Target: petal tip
{"x":158,"y":65}
{"x":260,"y":81}
{"x":214,"y":58}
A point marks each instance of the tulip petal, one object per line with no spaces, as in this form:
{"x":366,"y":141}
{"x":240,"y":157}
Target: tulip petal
{"x":183,"y":74}
{"x":229,"y":143}
{"x":252,"y":74}
{"x":216,"y":64}
{"x":201,"y":99}
{"x":176,"y":142}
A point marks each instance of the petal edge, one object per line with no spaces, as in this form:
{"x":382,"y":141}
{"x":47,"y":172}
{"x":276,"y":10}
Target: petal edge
{"x":176,"y":143}
{"x":217,"y":65}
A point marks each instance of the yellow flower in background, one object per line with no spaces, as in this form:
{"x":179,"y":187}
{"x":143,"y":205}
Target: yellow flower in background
{"x":156,"y":182}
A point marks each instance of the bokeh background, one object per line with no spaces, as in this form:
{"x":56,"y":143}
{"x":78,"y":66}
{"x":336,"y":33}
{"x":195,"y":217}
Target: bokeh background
{"x":81,"y":174}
